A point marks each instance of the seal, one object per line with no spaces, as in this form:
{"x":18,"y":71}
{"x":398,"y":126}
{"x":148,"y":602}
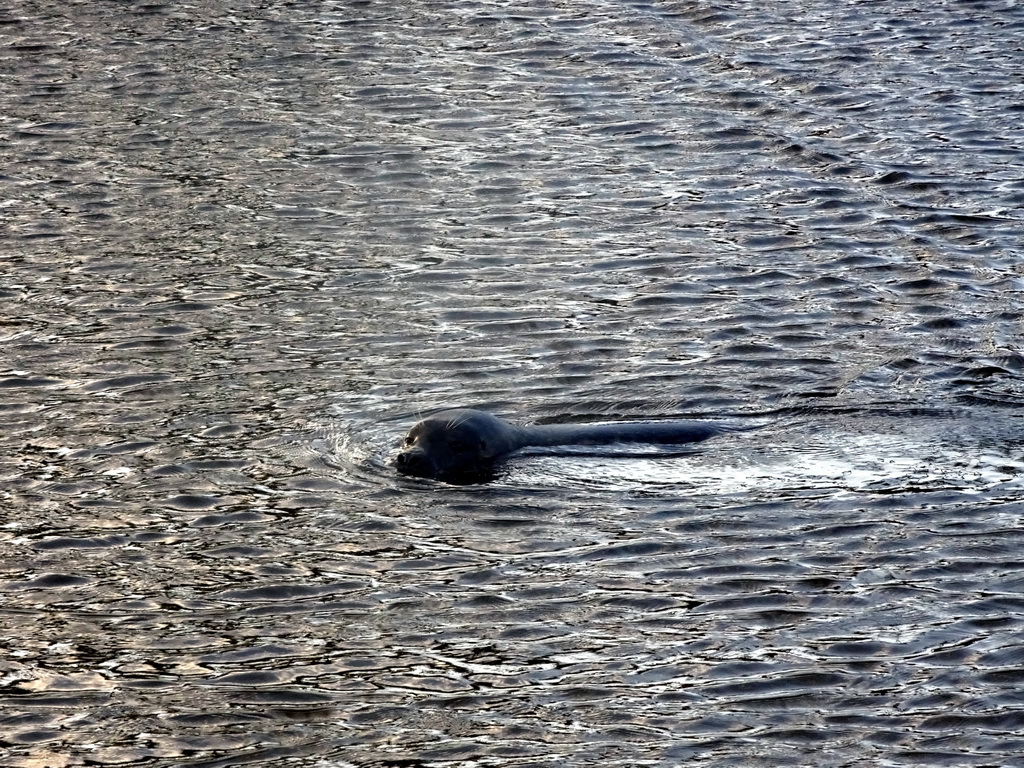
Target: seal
{"x":465,"y":444}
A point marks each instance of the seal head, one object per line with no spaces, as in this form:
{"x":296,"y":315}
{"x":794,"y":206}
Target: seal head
{"x":457,"y":445}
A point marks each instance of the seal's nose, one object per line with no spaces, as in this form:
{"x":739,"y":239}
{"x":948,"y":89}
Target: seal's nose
{"x":413,"y":462}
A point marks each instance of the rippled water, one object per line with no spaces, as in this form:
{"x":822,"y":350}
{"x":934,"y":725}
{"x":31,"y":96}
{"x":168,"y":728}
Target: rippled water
{"x":246,"y":247}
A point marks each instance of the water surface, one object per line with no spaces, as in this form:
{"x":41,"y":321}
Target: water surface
{"x":246,"y":247}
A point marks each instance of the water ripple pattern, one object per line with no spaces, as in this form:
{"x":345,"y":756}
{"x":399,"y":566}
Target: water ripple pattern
{"x":246,"y":246}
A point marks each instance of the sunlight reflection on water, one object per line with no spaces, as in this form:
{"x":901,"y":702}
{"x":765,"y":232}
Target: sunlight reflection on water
{"x":246,"y":246}
{"x":848,"y":463}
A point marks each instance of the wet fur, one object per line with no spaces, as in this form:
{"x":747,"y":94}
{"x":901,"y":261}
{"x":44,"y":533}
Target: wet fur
{"x":466,"y":444}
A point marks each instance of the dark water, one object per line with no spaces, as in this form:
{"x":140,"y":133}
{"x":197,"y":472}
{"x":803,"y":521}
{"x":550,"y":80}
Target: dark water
{"x":244,"y":246}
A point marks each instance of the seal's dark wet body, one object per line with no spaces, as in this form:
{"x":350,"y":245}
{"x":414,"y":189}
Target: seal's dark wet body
{"x":465,"y":444}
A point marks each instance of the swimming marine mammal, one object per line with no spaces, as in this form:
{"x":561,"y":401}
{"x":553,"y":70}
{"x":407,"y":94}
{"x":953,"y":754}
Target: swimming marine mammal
{"x":463,"y":443}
